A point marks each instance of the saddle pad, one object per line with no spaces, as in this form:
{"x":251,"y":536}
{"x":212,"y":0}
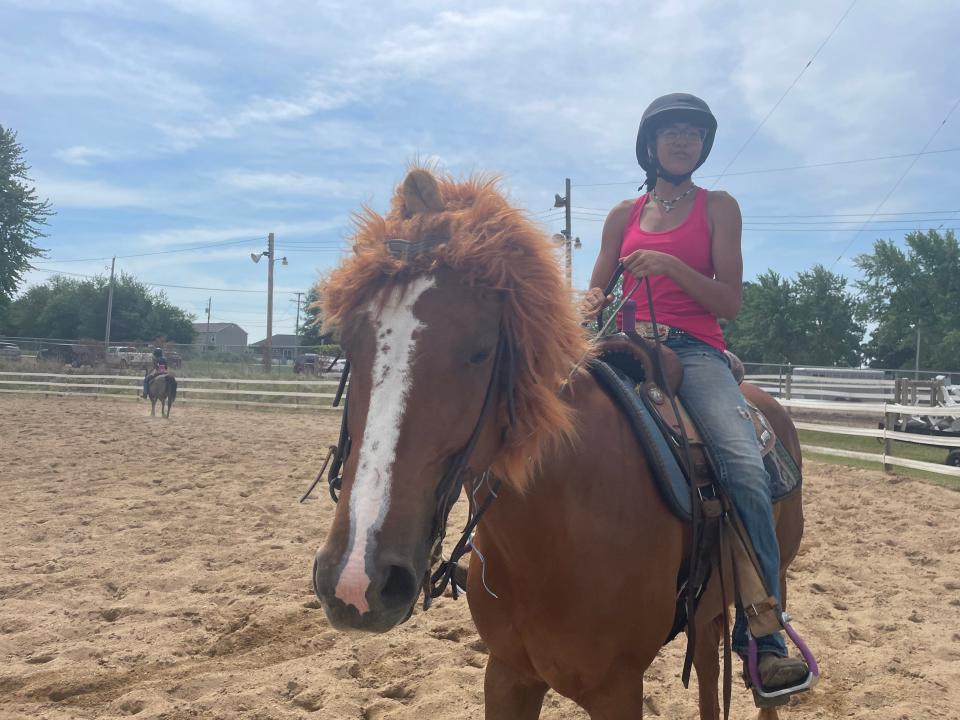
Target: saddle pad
{"x":784,"y":475}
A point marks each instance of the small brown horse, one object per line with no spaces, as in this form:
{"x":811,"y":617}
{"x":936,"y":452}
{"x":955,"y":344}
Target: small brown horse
{"x":163,"y":388}
{"x":460,"y":332}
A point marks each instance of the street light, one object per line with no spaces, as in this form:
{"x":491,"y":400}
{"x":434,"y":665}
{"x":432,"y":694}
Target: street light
{"x":256,"y":257}
{"x":270,"y":255}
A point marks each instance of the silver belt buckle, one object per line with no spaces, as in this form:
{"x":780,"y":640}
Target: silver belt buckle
{"x":645,"y":330}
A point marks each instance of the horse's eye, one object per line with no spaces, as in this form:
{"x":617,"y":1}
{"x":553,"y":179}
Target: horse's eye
{"x":479,"y":357}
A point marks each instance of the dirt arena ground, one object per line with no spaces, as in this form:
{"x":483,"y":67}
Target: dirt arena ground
{"x":160,"y":569}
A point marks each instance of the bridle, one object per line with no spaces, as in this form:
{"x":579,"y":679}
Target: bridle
{"x":502,"y":376}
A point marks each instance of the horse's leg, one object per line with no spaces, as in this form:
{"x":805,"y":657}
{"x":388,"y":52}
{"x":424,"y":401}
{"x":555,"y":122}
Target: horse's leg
{"x":153,"y":407}
{"x":620,"y":698}
{"x":707,"y":664}
{"x":508,"y":695}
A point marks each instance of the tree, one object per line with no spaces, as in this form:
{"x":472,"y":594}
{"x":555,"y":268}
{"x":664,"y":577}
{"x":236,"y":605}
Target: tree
{"x":311,"y":329}
{"x":830,"y":333}
{"x":767,"y":328}
{"x":22,"y":215}
{"x":808,"y":321}
{"x":70,"y":308}
{"x":911,"y":288}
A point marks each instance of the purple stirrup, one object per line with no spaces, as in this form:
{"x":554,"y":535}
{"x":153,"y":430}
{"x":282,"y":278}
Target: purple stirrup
{"x":753,"y":666}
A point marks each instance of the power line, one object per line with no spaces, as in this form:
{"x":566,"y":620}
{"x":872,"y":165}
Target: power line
{"x":824,"y":215}
{"x":761,"y":227}
{"x":762,"y":171}
{"x":786,"y":92}
{"x":53,"y":271}
{"x":886,"y":214}
{"x":899,"y":180}
{"x":839,"y":230}
{"x":158,"y":252}
{"x":846,"y":222}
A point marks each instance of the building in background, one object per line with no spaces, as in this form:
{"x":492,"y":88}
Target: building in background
{"x":221,"y":337}
{"x":284,"y":348}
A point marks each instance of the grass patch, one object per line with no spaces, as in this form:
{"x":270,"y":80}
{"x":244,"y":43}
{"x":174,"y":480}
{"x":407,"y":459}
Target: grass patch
{"x":926,"y":453}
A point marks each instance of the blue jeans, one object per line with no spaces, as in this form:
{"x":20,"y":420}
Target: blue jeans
{"x":712,"y":397}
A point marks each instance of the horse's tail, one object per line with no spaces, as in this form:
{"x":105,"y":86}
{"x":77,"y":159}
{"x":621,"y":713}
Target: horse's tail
{"x":171,"y":390}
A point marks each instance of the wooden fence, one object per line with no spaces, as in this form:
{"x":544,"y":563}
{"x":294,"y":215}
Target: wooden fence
{"x":307,"y":394}
{"x":870,"y":398}
{"x":318,"y":394}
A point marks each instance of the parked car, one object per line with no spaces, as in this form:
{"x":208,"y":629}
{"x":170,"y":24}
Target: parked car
{"x":124,"y":357}
{"x":306,"y":364}
{"x":9,"y":351}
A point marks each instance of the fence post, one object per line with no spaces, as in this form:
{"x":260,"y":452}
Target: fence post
{"x":236,"y":398}
{"x":889,"y":425}
{"x":788,"y":383}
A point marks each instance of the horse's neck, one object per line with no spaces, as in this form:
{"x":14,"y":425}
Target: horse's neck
{"x":601,"y":475}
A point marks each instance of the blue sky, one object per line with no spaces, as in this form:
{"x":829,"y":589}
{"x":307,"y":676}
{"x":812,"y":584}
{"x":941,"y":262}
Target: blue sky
{"x":174,"y":124}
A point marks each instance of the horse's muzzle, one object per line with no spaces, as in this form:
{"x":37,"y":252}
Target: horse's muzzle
{"x":392,"y":591}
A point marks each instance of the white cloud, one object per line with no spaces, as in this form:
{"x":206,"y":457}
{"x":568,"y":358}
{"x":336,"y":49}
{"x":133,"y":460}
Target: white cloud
{"x":256,"y":233}
{"x":287,"y":183}
{"x":91,"y":194}
{"x":82,"y":154}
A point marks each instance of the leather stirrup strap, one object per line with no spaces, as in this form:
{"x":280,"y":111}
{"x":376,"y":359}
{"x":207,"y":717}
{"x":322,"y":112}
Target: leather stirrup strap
{"x":725,"y":601}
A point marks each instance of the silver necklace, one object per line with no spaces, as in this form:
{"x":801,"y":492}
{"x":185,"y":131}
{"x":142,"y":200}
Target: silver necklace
{"x":668,"y":205}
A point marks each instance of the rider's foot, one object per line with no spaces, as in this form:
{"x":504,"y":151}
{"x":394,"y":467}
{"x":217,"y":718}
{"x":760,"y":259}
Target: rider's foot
{"x":143,"y":395}
{"x":777,"y":673}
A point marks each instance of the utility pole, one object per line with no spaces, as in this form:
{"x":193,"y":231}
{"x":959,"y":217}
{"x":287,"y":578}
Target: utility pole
{"x":296,"y":330}
{"x":106,"y":335}
{"x":569,"y":242}
{"x":916,"y":365}
{"x":269,"y":254}
{"x":268,"y":346}
{"x":206,"y":340}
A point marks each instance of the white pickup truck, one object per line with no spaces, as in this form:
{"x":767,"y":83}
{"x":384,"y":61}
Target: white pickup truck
{"x":124,"y":357}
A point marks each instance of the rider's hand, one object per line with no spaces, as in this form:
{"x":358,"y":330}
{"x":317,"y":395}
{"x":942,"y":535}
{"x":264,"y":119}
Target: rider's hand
{"x":594,"y":301}
{"x":649,"y":262}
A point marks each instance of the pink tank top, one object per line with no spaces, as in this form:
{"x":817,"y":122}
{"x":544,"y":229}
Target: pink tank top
{"x":691,"y":243}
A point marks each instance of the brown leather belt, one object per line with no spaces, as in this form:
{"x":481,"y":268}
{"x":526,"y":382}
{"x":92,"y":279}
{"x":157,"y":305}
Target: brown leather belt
{"x":645,"y":330}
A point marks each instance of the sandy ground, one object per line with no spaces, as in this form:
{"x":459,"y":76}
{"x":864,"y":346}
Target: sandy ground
{"x":160,"y":569}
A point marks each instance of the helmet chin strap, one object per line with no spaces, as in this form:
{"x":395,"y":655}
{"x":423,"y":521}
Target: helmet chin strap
{"x":671,"y":178}
{"x":660,"y":172}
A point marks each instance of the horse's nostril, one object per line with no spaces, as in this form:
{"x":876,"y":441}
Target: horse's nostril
{"x":400,"y":588}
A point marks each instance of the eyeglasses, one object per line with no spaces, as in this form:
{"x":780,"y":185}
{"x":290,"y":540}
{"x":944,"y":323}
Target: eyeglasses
{"x":674,"y":134}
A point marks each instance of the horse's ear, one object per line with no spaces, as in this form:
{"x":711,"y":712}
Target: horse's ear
{"x":421,"y":193}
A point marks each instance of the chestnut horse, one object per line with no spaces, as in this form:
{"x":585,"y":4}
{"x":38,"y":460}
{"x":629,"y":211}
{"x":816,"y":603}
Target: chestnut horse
{"x":466,"y":349}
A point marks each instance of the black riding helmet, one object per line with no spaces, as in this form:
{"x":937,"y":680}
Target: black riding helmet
{"x":158,"y":353}
{"x":676,"y":107}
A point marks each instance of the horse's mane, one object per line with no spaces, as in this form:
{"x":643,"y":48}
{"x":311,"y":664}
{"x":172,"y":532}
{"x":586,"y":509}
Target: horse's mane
{"x":491,"y":244}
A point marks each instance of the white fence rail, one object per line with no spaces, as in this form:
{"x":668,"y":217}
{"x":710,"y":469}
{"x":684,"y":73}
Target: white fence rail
{"x":807,"y":387}
{"x":317,"y":395}
{"x":213,"y":391}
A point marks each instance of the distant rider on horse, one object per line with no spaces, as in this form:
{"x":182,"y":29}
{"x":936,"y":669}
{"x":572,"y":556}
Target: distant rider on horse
{"x":159,"y":368}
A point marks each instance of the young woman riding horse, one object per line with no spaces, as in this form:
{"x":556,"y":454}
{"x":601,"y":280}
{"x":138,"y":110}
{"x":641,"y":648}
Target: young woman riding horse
{"x":467,"y":366}
{"x":686,"y":242}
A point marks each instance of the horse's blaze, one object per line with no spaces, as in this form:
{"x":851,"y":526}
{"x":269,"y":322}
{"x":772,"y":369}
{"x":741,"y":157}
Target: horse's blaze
{"x":395,"y":327}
